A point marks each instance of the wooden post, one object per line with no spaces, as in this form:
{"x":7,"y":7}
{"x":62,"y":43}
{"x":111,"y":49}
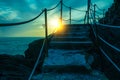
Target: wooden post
{"x":61,"y":10}
{"x":70,"y":15}
{"x":88,"y":8}
{"x":85,"y":17}
{"x":103,"y":16}
{"x":94,"y":14}
{"x":46,"y":32}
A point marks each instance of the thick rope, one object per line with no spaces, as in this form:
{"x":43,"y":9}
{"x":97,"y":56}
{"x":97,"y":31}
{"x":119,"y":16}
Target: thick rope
{"x":37,"y":61}
{"x":73,"y":8}
{"x":20,"y":23}
{"x":54,"y":7}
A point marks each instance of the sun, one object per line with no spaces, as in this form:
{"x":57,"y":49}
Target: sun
{"x":55,"y":23}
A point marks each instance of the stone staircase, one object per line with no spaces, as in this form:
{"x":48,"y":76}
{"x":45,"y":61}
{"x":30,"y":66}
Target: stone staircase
{"x":74,"y":37}
{"x":68,"y":58}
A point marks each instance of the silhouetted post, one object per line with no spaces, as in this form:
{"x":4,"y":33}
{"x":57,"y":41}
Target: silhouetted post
{"x":61,"y":10}
{"x":94,"y":13}
{"x":88,"y":8}
{"x":46,"y":32}
{"x":103,"y":16}
{"x":85,"y":17}
{"x":70,"y":15}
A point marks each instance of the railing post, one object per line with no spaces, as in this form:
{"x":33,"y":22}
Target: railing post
{"x":88,"y":8}
{"x":103,"y":16}
{"x":61,"y":10}
{"x":46,"y":32}
{"x":85,"y":17}
{"x":70,"y":15}
{"x":94,"y":13}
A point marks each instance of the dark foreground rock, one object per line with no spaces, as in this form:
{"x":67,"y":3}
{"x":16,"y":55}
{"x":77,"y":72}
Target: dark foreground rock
{"x":13,"y":67}
{"x":19,"y":67}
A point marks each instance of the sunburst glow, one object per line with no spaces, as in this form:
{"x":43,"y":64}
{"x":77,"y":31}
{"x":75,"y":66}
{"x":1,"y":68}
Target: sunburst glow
{"x":55,"y":23}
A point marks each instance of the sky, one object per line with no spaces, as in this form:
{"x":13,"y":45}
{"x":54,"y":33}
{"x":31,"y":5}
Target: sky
{"x":22,"y":10}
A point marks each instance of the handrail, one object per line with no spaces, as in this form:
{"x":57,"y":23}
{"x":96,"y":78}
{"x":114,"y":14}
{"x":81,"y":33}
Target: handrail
{"x":110,"y":26}
{"x":19,"y":23}
{"x":104,"y":41}
{"x":109,"y":59}
{"x":110,"y":45}
{"x":37,"y":61}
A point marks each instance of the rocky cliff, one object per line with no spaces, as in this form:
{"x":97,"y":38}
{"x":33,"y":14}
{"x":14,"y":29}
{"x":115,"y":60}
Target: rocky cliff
{"x":112,"y":16}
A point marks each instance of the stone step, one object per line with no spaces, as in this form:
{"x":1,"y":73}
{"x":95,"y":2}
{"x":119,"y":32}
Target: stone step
{"x":81,"y":38}
{"x":62,"y":59}
{"x":72,"y":34}
{"x":80,"y":29}
{"x":70,"y":76}
{"x":66,"y":69}
{"x":76,"y":25}
{"x":67,"y":64}
{"x":76,"y":29}
{"x":70,"y":44}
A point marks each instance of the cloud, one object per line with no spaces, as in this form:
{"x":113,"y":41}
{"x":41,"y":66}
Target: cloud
{"x":33,"y":6}
{"x":9,"y":14}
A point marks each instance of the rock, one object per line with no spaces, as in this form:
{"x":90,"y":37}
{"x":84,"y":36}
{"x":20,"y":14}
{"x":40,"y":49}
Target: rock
{"x":19,"y":67}
{"x":112,"y":16}
{"x":34,"y":49}
{"x":13,"y":66}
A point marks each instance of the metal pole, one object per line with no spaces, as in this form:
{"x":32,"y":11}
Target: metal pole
{"x":70,"y":15}
{"x":61,"y":10}
{"x":46,"y":32}
{"x":94,"y":13}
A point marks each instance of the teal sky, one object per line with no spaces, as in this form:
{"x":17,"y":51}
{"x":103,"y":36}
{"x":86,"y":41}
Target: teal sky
{"x":21,"y":10}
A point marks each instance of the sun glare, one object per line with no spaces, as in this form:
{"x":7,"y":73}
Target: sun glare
{"x":55,"y":23}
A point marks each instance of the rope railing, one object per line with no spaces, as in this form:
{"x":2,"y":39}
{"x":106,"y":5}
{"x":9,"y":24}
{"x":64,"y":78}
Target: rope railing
{"x":110,"y":45}
{"x":78,"y":9}
{"x":20,"y":23}
{"x":54,"y":7}
{"x":74,"y":8}
{"x":27,"y":21}
{"x":109,"y":26}
{"x":99,"y":8}
{"x":37,"y":61}
{"x":97,"y":37}
{"x":111,"y":61}
{"x":66,"y":19}
{"x":77,"y":20}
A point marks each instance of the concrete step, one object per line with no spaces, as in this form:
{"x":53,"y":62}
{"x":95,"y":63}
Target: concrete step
{"x":70,"y":44}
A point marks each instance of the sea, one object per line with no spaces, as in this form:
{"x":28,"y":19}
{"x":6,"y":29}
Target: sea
{"x":15,"y":45}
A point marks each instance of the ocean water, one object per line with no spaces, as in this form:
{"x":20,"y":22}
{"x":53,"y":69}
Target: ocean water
{"x":15,"y":45}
